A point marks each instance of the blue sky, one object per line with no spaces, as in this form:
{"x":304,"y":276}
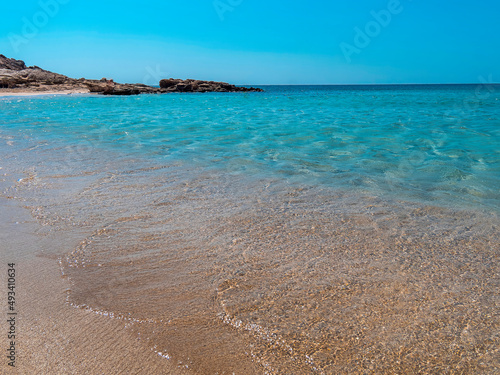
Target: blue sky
{"x":257,"y":41}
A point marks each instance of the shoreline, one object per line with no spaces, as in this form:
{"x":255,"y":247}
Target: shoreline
{"x":14,"y":74}
{"x":368,"y":264}
{"x":41,"y":93}
{"x":43,"y":308}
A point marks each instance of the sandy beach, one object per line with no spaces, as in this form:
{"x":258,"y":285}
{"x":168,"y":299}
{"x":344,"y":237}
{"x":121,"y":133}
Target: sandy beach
{"x":16,"y":92}
{"x":343,"y":293}
{"x":54,"y":337}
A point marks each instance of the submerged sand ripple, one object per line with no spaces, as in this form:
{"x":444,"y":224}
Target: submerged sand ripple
{"x":221,"y":274}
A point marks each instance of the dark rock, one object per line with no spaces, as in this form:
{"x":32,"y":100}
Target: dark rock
{"x":121,"y":91}
{"x":166,"y":83}
{"x":191,"y":85}
{"x":11,"y":64}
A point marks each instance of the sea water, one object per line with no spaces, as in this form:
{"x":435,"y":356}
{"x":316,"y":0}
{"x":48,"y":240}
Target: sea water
{"x":304,"y":229}
{"x":431,"y":143}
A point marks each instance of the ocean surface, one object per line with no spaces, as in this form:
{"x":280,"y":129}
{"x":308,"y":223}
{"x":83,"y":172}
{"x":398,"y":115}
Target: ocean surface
{"x":305,"y":229}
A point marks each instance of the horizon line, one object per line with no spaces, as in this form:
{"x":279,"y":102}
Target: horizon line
{"x":370,"y":84}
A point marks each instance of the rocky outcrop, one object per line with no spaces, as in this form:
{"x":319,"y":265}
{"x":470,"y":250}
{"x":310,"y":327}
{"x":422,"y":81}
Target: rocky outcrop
{"x":192,"y":85}
{"x":11,"y":64}
{"x":16,"y":76}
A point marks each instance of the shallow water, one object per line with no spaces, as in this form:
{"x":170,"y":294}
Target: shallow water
{"x":431,"y":143}
{"x":300,"y":230}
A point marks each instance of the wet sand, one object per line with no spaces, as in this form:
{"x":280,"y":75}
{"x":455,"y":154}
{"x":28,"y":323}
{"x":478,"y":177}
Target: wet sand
{"x":52,"y":336}
{"x":224,"y":275}
{"x":121,"y":259}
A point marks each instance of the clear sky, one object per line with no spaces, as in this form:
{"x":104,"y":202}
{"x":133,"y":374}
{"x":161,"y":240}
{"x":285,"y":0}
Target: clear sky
{"x":258,"y":41}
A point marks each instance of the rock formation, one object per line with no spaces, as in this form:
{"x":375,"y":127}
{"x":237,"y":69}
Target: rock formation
{"x":15,"y":76}
{"x":15,"y":73}
{"x":192,"y":85}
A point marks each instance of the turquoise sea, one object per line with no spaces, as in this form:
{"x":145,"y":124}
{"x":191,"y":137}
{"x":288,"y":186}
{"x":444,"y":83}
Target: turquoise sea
{"x":437,"y":144}
{"x":304,"y":229}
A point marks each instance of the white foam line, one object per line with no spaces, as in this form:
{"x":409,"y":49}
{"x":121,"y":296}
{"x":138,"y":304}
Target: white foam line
{"x":263,"y":333}
{"x":113,"y":315}
{"x":161,"y":354}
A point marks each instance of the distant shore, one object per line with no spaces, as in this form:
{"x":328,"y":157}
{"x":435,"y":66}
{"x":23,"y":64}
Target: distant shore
{"x":15,"y":75}
{"x":14,"y":92}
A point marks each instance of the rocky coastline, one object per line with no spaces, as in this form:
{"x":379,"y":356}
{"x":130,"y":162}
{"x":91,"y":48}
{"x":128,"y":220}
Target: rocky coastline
{"x":16,"y":77}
